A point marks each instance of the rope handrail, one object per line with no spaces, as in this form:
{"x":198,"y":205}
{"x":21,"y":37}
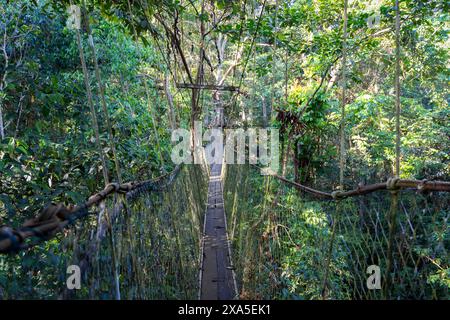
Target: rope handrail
{"x":390,"y":184}
{"x":56,"y":217}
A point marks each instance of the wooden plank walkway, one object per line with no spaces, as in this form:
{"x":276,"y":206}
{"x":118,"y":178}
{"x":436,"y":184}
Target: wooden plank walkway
{"x":217,"y":279}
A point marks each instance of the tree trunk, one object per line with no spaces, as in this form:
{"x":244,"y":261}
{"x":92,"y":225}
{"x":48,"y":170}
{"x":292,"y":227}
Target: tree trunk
{"x":264,"y":111}
{"x":296,"y":162}
{"x":169,"y":97}
{"x":2,"y":130}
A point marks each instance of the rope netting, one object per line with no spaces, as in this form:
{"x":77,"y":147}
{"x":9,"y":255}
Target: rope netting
{"x":288,"y":244}
{"x":140,"y":244}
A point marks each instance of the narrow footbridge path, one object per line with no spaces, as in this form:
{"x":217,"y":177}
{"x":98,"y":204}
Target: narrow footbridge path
{"x":217,"y":279}
{"x":154,"y":228}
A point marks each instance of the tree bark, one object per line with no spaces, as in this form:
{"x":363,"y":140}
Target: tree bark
{"x":169,"y":97}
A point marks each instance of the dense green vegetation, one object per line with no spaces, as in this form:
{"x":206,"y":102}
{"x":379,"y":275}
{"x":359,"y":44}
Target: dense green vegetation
{"x":285,"y":58}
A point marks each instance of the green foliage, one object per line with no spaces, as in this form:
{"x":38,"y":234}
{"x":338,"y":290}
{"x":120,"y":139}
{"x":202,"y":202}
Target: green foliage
{"x":288,"y":63}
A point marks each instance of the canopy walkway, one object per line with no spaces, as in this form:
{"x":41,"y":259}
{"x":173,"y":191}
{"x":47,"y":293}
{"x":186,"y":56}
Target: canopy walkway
{"x":148,"y":236}
{"x":225,"y":231}
{"x":217,"y":279}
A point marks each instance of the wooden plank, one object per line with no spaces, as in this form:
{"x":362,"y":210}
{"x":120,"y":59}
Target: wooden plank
{"x":217,"y":278}
{"x":206,"y":87}
{"x":181,"y":85}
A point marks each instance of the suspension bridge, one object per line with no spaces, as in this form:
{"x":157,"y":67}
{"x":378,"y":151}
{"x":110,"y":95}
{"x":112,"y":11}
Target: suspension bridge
{"x":179,"y":236}
{"x":224,"y":231}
